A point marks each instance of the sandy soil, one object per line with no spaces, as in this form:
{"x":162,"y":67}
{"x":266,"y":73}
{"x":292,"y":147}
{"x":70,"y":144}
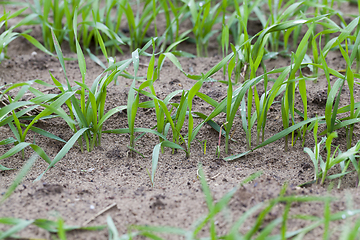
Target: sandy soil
{"x":82,"y":184}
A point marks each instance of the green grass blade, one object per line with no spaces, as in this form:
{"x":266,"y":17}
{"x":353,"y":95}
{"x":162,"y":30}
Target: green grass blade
{"x":155,"y":158}
{"x":235,"y":228}
{"x":46,"y":134}
{"x":36,"y":43}
{"x":2,"y":168}
{"x":60,"y":57}
{"x":15,"y":150}
{"x":274,"y":138}
{"x":7,"y":141}
{"x":127,"y":130}
{"x":110,"y":113}
{"x":25,"y":169}
{"x":113,"y":233}
{"x":11,"y":107}
{"x":63,"y":151}
{"x":156,"y":153}
{"x":19,"y":225}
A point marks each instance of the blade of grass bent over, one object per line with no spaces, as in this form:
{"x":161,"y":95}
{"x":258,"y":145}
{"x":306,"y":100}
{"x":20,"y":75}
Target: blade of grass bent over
{"x":274,"y":138}
{"x":63,"y":151}
{"x":25,"y":169}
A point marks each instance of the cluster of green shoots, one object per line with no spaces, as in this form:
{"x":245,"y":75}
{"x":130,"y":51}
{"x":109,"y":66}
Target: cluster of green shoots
{"x":86,"y":104}
{"x":125,"y":22}
{"x":250,"y":93}
{"x":128,"y":23}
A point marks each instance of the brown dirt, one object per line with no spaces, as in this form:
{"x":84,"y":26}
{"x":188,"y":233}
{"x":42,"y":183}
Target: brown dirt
{"x":82,"y":184}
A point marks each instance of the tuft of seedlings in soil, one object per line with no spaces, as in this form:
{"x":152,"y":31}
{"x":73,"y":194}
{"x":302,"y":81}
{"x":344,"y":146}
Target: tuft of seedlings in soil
{"x":252,"y":90}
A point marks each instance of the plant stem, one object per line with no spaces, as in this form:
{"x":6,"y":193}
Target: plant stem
{"x":93,"y":140}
